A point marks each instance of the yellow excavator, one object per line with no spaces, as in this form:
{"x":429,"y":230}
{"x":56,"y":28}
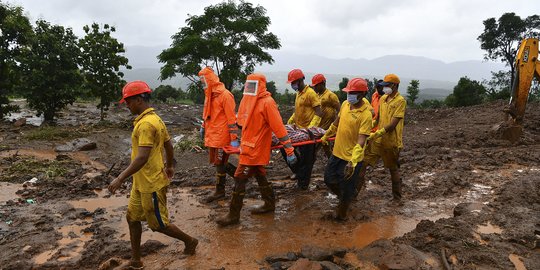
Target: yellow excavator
{"x":527,"y":67}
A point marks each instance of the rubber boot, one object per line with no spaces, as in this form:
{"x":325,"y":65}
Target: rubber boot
{"x":230,"y":169}
{"x":219,"y":193}
{"x":341,"y":210}
{"x":268,"y":196}
{"x":233,"y":217}
{"x":334,"y":188}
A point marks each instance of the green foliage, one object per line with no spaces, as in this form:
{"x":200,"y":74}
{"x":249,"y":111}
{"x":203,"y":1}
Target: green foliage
{"x":412,"y":91}
{"x":340,"y":94}
{"x":431,"y":104}
{"x":165,"y":92}
{"x":50,"y":133}
{"x":195,"y":93}
{"x":101,"y":60}
{"x":15,"y":35}
{"x":50,"y":169}
{"x":230,"y":37}
{"x":466,"y":93}
{"x":51,"y":75}
{"x":498,"y":87}
{"x":501,"y":37}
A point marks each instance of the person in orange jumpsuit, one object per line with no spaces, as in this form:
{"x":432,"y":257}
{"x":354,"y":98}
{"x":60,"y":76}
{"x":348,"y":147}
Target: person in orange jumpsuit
{"x":219,"y":127}
{"x":375,"y":101}
{"x":258,"y":117}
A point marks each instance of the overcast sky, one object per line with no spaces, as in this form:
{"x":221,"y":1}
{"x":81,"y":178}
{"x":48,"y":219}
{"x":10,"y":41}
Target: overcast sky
{"x":440,"y":29}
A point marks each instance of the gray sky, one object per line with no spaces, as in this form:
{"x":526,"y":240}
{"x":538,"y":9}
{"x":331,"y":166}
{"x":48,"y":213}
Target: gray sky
{"x":440,"y":29}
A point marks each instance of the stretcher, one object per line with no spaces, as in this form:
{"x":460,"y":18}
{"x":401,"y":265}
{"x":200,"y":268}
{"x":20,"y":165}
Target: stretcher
{"x":236,"y":150}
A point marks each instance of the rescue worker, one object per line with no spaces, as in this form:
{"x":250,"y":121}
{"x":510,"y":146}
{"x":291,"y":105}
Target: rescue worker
{"x":386,"y":143}
{"x":329,"y":106}
{"x":258,"y":117}
{"x":219,"y":127}
{"x":151,"y":177}
{"x":375,"y":102}
{"x":307,"y":113}
{"x":351,"y":128}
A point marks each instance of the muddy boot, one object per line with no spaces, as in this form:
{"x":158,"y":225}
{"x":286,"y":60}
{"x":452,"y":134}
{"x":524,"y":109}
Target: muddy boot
{"x":396,"y":190}
{"x":334,"y":188}
{"x":341,"y":211}
{"x":230,"y":169}
{"x":267,"y":194}
{"x":219,"y":193}
{"x":233,"y":216}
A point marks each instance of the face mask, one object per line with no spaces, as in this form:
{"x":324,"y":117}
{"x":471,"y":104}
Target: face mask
{"x":387,"y":90}
{"x":203,"y":81}
{"x":294,"y":86}
{"x":380,"y":91}
{"x":352,"y":99}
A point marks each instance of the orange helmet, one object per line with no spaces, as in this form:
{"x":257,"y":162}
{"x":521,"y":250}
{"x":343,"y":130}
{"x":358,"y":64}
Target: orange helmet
{"x":134,"y":88}
{"x":318,"y":78}
{"x":294,"y":75}
{"x":356,"y":85}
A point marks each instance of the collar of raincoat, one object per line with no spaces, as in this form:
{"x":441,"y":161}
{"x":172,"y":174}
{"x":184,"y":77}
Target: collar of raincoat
{"x":247,"y":105}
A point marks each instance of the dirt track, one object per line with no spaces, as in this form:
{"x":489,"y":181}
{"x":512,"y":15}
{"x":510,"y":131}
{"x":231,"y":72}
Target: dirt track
{"x":468,"y":195}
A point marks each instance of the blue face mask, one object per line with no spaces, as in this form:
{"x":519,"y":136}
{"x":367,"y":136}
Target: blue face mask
{"x":352,"y":99}
{"x":295,"y":86}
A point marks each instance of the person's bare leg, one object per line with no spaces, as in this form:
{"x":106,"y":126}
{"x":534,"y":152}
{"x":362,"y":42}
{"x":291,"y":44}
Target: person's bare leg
{"x":190,"y":242}
{"x":135,"y":231}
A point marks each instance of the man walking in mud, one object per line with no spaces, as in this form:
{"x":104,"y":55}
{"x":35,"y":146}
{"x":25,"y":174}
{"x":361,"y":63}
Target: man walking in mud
{"x":329,"y":106}
{"x":386,"y":143}
{"x":258,"y":116}
{"x":351,"y":128}
{"x":307,"y":113}
{"x":219,"y":127}
{"x":148,"y":198}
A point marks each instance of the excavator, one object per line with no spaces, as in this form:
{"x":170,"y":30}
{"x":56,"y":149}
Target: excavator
{"x":527,"y":67}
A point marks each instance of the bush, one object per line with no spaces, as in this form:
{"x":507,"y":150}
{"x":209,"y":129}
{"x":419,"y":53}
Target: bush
{"x":165,"y":92}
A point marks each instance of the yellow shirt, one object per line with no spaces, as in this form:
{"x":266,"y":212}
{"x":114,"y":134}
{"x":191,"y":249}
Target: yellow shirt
{"x":329,"y":103}
{"x":387,"y":111}
{"x":351,"y":124}
{"x":149,"y":130}
{"x":304,"y":105}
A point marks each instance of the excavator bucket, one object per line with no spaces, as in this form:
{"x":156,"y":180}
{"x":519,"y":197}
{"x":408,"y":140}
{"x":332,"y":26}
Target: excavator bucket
{"x":509,"y":131}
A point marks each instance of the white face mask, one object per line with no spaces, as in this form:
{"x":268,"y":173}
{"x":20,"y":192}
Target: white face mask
{"x":387,"y":90}
{"x":203,"y":81}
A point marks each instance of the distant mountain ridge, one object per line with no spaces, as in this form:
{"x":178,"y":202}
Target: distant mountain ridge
{"x":436,"y":77}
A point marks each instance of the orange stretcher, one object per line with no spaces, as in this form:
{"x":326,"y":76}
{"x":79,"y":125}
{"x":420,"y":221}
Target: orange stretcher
{"x":236,"y":150}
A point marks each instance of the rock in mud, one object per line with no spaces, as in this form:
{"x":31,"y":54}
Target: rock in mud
{"x":20,"y":122}
{"x":467,"y":208}
{"x":80,"y":144}
{"x":388,"y":255}
{"x":290,"y":256}
{"x":317,"y":253}
{"x":326,"y":265}
{"x":305,"y":264}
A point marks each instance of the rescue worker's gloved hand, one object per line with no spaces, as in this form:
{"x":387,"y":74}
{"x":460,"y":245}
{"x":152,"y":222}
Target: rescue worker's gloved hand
{"x":315,"y":121}
{"x":292,"y":159}
{"x":357,"y":157}
{"x":377,"y":134}
{"x":291,"y":120}
{"x":235,"y":144}
{"x":331,"y":132}
{"x":201,"y":133}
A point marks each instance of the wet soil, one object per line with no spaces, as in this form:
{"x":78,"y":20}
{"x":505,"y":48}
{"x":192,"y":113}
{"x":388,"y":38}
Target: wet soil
{"x":471,"y":200}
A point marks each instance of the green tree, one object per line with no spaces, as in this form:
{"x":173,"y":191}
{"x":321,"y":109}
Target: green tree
{"x":412,"y":91}
{"x":340,"y":94}
{"x":498,"y":87}
{"x":15,"y":35}
{"x":195,"y":93}
{"x":271,"y":87}
{"x":229,"y":37}
{"x":51,"y":76}
{"x":501,"y":37}
{"x":101,"y":60}
{"x":466,"y":93}
{"x":164,"y":92}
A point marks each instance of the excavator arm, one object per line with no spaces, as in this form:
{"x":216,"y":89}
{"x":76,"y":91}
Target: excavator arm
{"x":527,"y":67}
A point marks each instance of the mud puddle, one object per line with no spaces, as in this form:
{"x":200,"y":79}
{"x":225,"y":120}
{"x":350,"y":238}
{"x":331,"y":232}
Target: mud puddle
{"x":70,"y":246}
{"x":51,"y":155}
{"x":8,"y":191}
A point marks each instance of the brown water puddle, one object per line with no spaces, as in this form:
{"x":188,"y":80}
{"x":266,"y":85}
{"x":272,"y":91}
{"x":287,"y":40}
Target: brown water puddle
{"x":8,"y":190}
{"x":70,"y":246}
{"x":488,"y":229}
{"x":51,"y":155}
{"x":517,"y":261}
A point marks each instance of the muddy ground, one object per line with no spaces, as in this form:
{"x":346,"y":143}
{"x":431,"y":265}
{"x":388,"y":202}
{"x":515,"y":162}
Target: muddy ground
{"x":472,"y":201}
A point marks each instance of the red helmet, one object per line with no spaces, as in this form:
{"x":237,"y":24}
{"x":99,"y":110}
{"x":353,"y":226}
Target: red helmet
{"x":134,"y":88}
{"x":356,"y":85}
{"x":318,"y":78}
{"x":294,"y":75}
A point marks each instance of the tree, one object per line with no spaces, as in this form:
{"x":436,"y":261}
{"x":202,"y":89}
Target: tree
{"x":229,"y":37}
{"x":101,"y":60}
{"x":466,"y":93}
{"x":498,"y":87}
{"x":164,"y":92}
{"x":271,"y":87}
{"x":15,"y":35}
{"x":340,"y":94}
{"x":51,"y":75}
{"x":195,"y":93}
{"x":412,"y":91}
{"x":501,"y":37}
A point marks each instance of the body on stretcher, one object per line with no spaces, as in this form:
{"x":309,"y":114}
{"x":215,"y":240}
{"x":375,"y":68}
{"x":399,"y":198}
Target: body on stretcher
{"x":236,"y":150}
